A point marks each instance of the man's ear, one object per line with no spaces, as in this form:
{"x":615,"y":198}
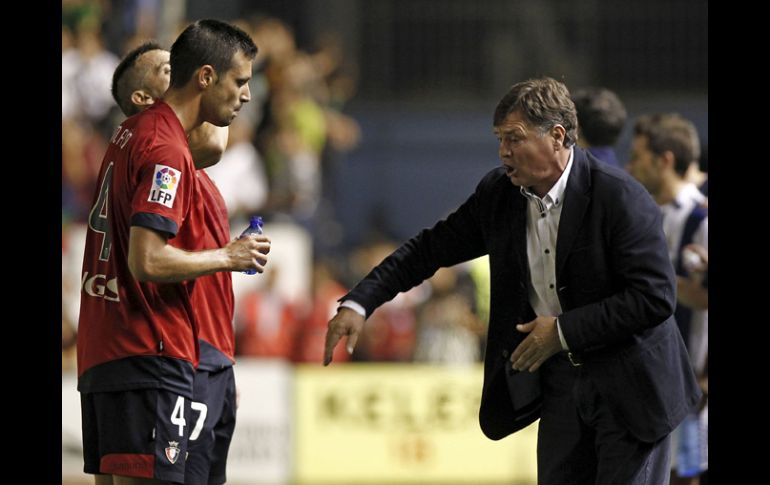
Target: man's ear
{"x":558,"y":133}
{"x":141,"y":98}
{"x":667,"y":159}
{"x":206,"y":76}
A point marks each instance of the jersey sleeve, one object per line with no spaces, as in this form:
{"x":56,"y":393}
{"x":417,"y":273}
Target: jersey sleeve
{"x":166,"y":180}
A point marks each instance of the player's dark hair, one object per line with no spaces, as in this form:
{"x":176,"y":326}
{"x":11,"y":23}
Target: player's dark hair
{"x":209,"y":42}
{"x":127,"y":77}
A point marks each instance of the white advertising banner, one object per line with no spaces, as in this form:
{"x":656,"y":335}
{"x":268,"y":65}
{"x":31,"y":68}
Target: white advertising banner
{"x":71,"y":430}
{"x":261,"y":451}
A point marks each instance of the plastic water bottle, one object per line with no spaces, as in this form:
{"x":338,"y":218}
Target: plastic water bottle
{"x":255,"y":227}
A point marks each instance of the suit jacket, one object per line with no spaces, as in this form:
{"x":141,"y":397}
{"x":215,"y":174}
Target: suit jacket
{"x":615,"y":284}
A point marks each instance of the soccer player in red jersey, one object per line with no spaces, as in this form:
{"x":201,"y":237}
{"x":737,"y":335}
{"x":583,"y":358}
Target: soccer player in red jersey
{"x":138,"y":327}
{"x":139,"y":80}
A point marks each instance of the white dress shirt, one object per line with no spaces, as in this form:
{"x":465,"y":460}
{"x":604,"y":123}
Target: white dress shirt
{"x":543,"y":217}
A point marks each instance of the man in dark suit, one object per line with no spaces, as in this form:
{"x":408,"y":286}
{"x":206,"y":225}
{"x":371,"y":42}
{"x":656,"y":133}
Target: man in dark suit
{"x":581,"y":333}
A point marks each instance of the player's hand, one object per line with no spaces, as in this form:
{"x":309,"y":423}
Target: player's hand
{"x":249,"y":252}
{"x":345,"y":322}
{"x":541,"y":343}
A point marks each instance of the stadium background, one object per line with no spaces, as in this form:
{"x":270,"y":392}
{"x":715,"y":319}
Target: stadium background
{"x":387,"y":127}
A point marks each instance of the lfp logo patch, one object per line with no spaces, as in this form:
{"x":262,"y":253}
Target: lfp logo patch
{"x":164,"y":184}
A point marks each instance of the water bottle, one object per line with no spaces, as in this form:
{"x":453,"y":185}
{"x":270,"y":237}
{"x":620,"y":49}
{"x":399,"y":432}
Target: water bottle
{"x":255,"y":227}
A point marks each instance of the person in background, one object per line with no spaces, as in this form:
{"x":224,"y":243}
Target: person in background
{"x":665,"y":148}
{"x":601,"y":117}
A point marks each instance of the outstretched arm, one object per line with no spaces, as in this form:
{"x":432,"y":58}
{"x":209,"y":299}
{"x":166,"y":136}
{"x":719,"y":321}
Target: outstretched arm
{"x":453,"y":240}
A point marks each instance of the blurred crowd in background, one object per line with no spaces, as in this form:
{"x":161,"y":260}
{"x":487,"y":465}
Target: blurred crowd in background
{"x":282,"y":162}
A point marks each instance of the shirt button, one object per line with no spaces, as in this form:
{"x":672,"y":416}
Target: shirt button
{"x":550,"y":286}
{"x":505,"y":354}
{"x":547,"y":251}
{"x":542,"y":214}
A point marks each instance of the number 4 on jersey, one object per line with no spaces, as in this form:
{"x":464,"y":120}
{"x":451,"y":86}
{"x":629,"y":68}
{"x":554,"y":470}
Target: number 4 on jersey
{"x":97,"y":219}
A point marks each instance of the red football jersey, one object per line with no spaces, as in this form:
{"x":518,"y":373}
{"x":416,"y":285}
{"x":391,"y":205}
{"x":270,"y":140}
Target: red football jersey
{"x":212,"y":295}
{"x":132,"y":334}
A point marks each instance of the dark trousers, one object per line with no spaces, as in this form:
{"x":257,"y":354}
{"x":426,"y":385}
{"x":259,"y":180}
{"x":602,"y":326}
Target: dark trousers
{"x":581,"y":443}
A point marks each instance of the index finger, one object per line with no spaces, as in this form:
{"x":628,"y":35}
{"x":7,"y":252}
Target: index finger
{"x":332,"y":339}
{"x":519,"y":349}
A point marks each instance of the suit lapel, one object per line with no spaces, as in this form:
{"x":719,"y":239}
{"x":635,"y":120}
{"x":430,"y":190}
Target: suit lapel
{"x":519,"y":228}
{"x":575,"y":204}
